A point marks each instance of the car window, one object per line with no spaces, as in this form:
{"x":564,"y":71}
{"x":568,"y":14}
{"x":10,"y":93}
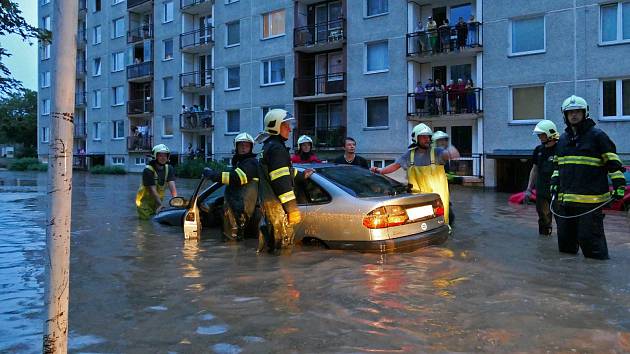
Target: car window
{"x":308,"y":192}
{"x":360,"y":182}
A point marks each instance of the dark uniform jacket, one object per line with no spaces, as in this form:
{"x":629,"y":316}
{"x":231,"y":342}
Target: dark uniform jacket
{"x":276,"y":163}
{"x":544,"y":159}
{"x":583,"y":163}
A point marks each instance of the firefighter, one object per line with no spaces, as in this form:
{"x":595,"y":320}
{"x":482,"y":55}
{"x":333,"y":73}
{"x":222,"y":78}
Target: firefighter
{"x":241,"y":191}
{"x":156,"y":175}
{"x":585,"y":158}
{"x":424,"y":165}
{"x":540,"y":174}
{"x":279,"y":206}
{"x":305,"y":152}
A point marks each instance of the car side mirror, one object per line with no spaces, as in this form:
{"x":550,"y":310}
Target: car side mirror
{"x":178,"y":202}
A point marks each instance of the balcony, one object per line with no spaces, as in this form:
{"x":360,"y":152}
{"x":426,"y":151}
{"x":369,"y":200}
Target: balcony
{"x":320,"y":88}
{"x":465,"y":104}
{"x":196,"y":7}
{"x":139,"y":34}
{"x":140,"y":107}
{"x":196,"y":121}
{"x":82,"y":8}
{"x":468,"y":167}
{"x":320,"y":37}
{"x":80,"y":131}
{"x":197,"y":41}
{"x":81,"y":69}
{"x":81,"y":39}
{"x":196,"y":81}
{"x":80,"y":100}
{"x":139,"y":143}
{"x":139,"y":6}
{"x":324,"y":138}
{"x":445,"y":43}
{"x":141,"y":72}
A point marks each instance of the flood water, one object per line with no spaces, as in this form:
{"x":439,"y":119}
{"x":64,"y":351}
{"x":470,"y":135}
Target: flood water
{"x":138,"y":287}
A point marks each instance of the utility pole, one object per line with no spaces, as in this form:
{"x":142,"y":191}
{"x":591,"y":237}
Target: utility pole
{"x":64,"y":49}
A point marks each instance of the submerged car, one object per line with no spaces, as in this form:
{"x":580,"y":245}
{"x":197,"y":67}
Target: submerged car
{"x":343,"y":207}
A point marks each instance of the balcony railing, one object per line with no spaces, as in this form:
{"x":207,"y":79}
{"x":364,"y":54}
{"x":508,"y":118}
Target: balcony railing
{"x":80,"y":131}
{"x":195,"y":38}
{"x":140,"y":106}
{"x":326,"y":137}
{"x":184,"y":4}
{"x":196,"y":120}
{"x":320,"y":85}
{"x":81,"y":68}
{"x":140,"y":70}
{"x":81,"y":38}
{"x":321,"y":33}
{"x":467,"y":165}
{"x":140,"y":33}
{"x":133,"y":3}
{"x":466,"y":101}
{"x":80,"y":99}
{"x":196,"y":79}
{"x":444,"y":39}
{"x":139,"y":143}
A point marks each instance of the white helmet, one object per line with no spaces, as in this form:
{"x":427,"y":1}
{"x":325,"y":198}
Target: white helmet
{"x":243,"y":137}
{"x":304,"y":139}
{"x":548,"y":128}
{"x":439,"y":135}
{"x":274,"y":118}
{"x":420,"y":129}
{"x":160,"y":148}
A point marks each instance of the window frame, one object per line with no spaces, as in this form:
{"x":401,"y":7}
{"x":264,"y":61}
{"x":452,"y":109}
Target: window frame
{"x":97,"y":94}
{"x":365,"y":105}
{"x":116,"y":61}
{"x":366,"y":7}
{"x":116,"y":2}
{"x":365,"y":57}
{"x":98,"y":72}
{"x":619,"y":117}
{"x":96,"y":131}
{"x":118,"y":129}
{"x":513,"y":121}
{"x":262,"y":72}
{"x":45,"y":78}
{"x":46,"y":23}
{"x":227,"y":2}
{"x":45,"y":107}
{"x":97,"y":8}
{"x":165,"y":12}
{"x":164,"y":58}
{"x":269,"y":17}
{"x":165,"y":80}
{"x":121,"y":158}
{"x":46,"y":48}
{"x":227,"y":78}
{"x":97,"y":35}
{"x":227,"y":34}
{"x":164,"y":119}
{"x":114,"y":28}
{"x":511,"y":21}
{"x":619,"y":39}
{"x":227,"y":120}
{"x":114,"y":91}
{"x":45,"y":138}
{"x":142,"y":159}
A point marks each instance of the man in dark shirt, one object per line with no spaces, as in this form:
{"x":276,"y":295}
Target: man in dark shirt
{"x":350,"y":157}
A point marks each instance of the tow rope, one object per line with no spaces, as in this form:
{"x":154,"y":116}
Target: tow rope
{"x":553,"y":198}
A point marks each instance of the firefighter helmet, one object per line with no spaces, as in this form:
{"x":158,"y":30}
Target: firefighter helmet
{"x":439,"y":135}
{"x":160,"y":148}
{"x":304,"y":139}
{"x":243,"y":138}
{"x":420,"y":129}
{"x":574,"y":103}
{"x":274,"y":118}
{"x":548,"y":128}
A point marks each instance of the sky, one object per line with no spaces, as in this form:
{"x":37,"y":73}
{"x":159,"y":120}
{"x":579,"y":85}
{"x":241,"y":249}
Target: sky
{"x":23,"y":62}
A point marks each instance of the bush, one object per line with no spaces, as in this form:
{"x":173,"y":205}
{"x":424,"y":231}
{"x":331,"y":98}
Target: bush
{"x":27,"y":164}
{"x":108,"y":170}
{"x":194,"y":168}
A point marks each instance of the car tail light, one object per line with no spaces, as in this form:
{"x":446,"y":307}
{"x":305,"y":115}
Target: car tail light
{"x":438,"y":207}
{"x":387,"y":216}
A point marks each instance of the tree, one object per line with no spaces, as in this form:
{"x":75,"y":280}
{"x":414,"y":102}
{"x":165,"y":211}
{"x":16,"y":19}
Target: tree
{"x":12,"y":22}
{"x":18,"y":120}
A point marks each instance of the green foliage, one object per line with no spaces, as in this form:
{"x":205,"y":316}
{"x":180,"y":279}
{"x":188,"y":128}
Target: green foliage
{"x":27,"y":164}
{"x":108,"y":170}
{"x":194,"y":168}
{"x":18,"y":121}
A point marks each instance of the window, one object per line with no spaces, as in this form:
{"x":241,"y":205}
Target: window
{"x":118,"y":95}
{"x":168,"y":12}
{"x":168,"y":49}
{"x":528,"y":103}
{"x":45,"y":79}
{"x":44,"y":2}
{"x":272,"y":71}
{"x":615,"y":22}
{"x":119,"y":129}
{"x":273,"y":24}
{"x":527,"y":35}
{"x":230,"y":1}
{"x":167,"y":87}
{"x":377,"y":57}
{"x":233,"y":78}
{"x":118,"y":160}
{"x":141,"y":161}
{"x":616,"y":99}
{"x":377,"y":112}
{"x":97,"y":5}
{"x":45,"y":134}
{"x":45,"y":51}
{"x":96,"y":35}
{"x":167,"y":125}
{"x":233,"y":122}
{"x":375,"y":7}
{"x":233,"y":36}
{"x":45,"y":106}
{"x":118,"y":27}
{"x":96,"y":99}
{"x":118,"y":61}
{"x":46,"y":23}
{"x":96,"y":132}
{"x":96,"y":66}
{"x":115,"y":2}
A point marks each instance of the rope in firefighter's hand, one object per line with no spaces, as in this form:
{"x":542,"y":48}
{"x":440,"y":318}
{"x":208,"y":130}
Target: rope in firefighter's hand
{"x":553,"y":198}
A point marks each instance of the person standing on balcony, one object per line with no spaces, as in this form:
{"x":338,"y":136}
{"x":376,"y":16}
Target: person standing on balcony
{"x":451,"y":93}
{"x":445,"y":36}
{"x":473,"y":30}
{"x":430,"y":90}
{"x":422,"y":37}
{"x":350,"y":157}
{"x":460,"y":96}
{"x":439,"y":96}
{"x":305,"y":152}
{"x":432,"y":35}
{"x":471,"y":96}
{"x":157,"y":175}
{"x":462,"y":33}
{"x":419,"y":97}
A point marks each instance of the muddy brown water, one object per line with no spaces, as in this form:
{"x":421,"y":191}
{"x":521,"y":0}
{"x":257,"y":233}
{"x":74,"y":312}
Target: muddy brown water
{"x":138,"y":287}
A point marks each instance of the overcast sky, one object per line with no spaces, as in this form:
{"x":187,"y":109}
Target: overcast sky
{"x":23,"y":62}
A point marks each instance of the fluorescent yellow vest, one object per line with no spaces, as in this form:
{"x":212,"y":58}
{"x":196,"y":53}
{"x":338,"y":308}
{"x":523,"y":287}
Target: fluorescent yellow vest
{"x":429,"y":179}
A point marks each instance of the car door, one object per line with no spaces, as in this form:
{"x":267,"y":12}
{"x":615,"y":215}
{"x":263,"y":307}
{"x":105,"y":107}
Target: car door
{"x":310,"y":197}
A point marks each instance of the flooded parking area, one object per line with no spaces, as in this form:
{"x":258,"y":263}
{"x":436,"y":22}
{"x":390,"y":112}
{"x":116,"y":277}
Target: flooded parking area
{"x":138,"y":287}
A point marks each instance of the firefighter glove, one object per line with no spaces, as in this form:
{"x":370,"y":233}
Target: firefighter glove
{"x":617,"y":194}
{"x":294,"y":217}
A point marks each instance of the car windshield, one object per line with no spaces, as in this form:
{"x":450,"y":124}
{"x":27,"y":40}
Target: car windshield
{"x":360,"y":182}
